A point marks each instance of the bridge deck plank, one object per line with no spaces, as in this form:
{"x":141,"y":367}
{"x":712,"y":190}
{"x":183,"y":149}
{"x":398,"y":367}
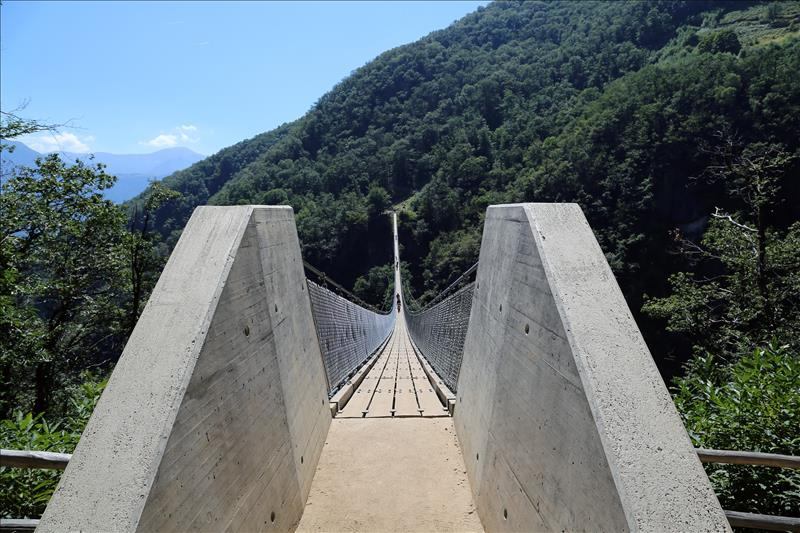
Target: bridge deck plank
{"x":405,"y":397}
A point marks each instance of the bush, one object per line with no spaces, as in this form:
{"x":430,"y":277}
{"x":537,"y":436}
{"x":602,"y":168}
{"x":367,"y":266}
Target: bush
{"x":721,"y":41}
{"x":24,"y":492}
{"x":752,"y":404}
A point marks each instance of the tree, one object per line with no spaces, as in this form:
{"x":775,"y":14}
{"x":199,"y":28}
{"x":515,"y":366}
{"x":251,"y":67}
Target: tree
{"x":743,"y":291}
{"x":377,"y":286}
{"x":145,"y":261}
{"x":750,"y":404}
{"x":720,"y":41}
{"x":62,"y":258}
{"x":12,"y":126}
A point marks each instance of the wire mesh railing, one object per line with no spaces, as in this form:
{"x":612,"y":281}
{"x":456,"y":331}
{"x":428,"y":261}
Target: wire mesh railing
{"x":439,"y":329}
{"x":348,"y":333}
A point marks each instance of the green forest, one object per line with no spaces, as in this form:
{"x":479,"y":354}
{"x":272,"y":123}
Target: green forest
{"x":675,"y":125}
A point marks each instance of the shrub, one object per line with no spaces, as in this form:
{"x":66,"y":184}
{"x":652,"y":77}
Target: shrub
{"x":752,"y":404}
{"x":24,"y":492}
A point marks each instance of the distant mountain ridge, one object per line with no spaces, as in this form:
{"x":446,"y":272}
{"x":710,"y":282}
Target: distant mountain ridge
{"x":133,"y":171}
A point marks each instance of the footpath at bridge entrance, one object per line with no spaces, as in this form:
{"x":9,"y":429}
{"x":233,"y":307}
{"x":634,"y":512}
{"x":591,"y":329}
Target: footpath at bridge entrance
{"x":250,"y":398}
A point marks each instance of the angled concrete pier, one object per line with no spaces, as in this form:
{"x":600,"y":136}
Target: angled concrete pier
{"x":564,"y":421}
{"x":216,"y":414}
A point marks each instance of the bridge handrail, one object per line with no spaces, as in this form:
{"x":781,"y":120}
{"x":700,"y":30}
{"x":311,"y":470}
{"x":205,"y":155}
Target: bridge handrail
{"x":736,"y":457}
{"x":34,"y":459}
{"x":58,"y":461}
{"x":440,"y":296}
{"x":762,"y":521}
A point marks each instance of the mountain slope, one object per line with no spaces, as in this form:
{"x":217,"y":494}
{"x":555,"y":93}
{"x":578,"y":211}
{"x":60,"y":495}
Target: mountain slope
{"x":605,"y":104}
{"x":21,"y":155}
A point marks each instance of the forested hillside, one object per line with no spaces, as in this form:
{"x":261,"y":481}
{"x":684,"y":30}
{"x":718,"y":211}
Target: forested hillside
{"x":620,"y":107}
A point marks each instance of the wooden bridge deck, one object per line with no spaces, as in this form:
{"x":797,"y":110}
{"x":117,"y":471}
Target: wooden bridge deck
{"x":396,"y":385}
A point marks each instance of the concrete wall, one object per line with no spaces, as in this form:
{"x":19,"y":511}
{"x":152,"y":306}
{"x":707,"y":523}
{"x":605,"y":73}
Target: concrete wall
{"x":562,"y":416}
{"x":216,"y":414}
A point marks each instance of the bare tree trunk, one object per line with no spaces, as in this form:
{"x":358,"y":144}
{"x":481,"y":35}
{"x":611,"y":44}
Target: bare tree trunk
{"x":43,"y":387}
{"x":762,"y":264}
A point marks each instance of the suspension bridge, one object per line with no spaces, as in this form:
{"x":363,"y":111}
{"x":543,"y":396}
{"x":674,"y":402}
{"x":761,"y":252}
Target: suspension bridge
{"x":250,"y":398}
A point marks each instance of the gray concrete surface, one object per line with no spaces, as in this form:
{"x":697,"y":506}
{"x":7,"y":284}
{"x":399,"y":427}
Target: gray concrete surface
{"x":562,"y":416}
{"x":216,"y":414}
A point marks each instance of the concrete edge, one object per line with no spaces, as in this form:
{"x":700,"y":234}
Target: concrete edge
{"x":627,"y":473}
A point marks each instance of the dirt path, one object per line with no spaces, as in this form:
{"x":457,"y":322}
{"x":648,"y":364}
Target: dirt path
{"x":390,"y":474}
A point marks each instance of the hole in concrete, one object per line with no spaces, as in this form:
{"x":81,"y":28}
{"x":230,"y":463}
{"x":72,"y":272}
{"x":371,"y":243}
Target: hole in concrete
{"x":527,"y":329}
{"x":276,"y":308}
{"x":301,"y":459}
{"x":501,"y":308}
{"x":505,"y":514}
{"x":477,"y":457}
{"x":323,"y":400}
{"x":247,"y":331}
{"x":272,"y":516}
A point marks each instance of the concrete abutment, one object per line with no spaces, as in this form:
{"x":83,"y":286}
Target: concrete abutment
{"x":216,"y":414}
{"x":562,"y":416}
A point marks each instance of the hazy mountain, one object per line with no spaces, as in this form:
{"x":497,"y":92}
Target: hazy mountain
{"x":22,"y":155}
{"x":133,"y":171}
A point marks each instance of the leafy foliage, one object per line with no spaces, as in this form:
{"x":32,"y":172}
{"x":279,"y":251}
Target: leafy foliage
{"x":725,"y":313}
{"x":721,"y":41}
{"x":73,"y":275}
{"x":750,"y":404}
{"x":62,"y":257}
{"x":744,"y":287}
{"x":741,"y":295}
{"x":376,"y":286}
{"x":25,"y":492}
{"x":72,"y":279}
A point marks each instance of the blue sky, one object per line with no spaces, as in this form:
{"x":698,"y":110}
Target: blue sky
{"x":133,"y":77}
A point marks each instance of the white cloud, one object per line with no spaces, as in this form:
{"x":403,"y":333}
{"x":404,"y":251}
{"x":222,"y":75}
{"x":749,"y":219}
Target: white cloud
{"x":162,"y":141}
{"x":179,"y":135}
{"x":59,"y":142}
